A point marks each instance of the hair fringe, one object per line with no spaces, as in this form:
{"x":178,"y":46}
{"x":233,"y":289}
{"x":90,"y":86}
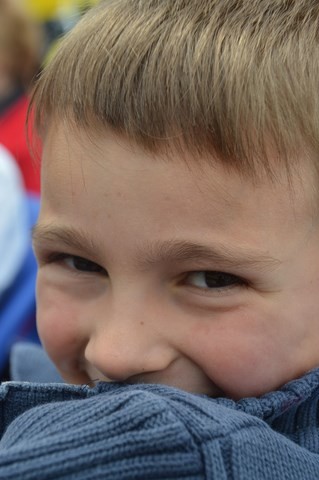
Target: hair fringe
{"x":236,"y":79}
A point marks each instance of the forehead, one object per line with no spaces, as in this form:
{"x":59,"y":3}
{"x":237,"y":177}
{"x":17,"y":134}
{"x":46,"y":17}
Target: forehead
{"x":76,"y":161}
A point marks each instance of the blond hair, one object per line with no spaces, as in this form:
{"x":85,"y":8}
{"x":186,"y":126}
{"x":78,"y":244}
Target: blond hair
{"x":235,"y":78}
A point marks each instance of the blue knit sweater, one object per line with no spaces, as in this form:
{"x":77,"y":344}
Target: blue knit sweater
{"x":118,"y":431}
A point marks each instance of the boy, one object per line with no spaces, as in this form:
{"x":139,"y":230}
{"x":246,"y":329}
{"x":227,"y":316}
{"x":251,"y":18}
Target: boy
{"x":178,"y":238}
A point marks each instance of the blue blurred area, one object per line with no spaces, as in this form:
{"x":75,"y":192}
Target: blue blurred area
{"x":17,"y":306}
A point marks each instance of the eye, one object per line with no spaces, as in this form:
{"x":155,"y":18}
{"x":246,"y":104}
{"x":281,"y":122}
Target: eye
{"x":72,"y":262}
{"x":213,"y":280}
{"x":81,"y":264}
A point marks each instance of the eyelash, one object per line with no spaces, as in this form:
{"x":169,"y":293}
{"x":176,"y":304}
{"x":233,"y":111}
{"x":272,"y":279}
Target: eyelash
{"x":230,"y":281}
{"x":56,"y":257}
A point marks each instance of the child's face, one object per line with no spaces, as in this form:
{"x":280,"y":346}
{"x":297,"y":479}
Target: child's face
{"x":154,"y":271}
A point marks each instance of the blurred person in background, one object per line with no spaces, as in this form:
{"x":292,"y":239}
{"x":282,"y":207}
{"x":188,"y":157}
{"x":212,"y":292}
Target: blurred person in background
{"x":57,"y":17}
{"x":21,"y":50}
{"x":14,"y":223}
{"x":18,"y":268}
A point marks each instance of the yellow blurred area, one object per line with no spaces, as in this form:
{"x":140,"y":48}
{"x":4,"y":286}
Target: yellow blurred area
{"x":43,"y":10}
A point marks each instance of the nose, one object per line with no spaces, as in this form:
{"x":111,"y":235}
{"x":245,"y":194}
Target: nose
{"x":122,"y":348}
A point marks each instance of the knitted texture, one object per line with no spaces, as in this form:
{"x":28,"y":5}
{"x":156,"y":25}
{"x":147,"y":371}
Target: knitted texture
{"x":118,"y":431}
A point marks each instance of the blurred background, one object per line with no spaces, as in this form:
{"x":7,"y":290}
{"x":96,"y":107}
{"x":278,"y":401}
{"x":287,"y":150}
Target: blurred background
{"x":30,"y":31}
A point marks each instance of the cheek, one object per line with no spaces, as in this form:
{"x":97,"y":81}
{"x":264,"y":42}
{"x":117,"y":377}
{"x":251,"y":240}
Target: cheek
{"x":241,"y":353}
{"x":58,"y":321}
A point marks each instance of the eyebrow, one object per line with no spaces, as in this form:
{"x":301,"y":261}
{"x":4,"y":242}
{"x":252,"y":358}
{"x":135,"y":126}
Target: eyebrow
{"x":156,"y":252}
{"x":74,"y":238}
{"x":218,"y":255}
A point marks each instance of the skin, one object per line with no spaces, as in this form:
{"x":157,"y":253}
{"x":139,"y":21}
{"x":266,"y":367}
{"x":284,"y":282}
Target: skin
{"x":124,"y":243}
